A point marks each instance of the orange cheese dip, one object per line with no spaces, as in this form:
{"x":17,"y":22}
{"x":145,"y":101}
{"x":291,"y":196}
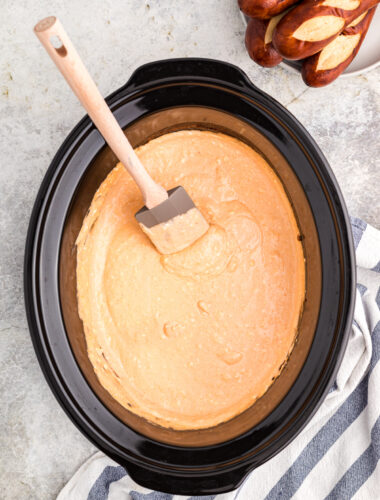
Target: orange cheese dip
{"x":190,"y":340}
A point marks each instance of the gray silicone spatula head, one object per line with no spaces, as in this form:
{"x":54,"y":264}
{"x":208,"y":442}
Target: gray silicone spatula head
{"x":174,"y":224}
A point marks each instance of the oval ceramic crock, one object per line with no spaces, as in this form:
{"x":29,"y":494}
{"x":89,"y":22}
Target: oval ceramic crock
{"x":161,"y":97}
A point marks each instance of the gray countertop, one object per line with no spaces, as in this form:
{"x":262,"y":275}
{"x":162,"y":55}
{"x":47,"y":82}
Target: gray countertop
{"x":39,"y":447}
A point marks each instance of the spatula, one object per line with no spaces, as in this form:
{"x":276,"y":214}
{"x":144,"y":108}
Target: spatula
{"x":169,"y":218}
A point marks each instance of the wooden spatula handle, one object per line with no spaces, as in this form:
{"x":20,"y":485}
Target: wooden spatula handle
{"x":63,"y":53}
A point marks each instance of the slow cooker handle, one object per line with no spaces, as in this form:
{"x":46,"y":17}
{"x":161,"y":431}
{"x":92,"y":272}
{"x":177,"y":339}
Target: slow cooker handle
{"x":189,"y":69}
{"x":188,"y":484}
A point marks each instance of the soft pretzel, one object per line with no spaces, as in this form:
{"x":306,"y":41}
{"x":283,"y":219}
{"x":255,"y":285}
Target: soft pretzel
{"x":325,"y":66}
{"x":313,"y":24}
{"x":264,"y":9}
{"x":258,"y":41}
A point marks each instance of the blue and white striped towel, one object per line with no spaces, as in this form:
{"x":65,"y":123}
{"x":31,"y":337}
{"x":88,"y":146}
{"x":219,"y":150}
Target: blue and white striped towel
{"x":337,"y":456}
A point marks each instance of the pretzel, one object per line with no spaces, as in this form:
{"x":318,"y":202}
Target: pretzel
{"x":258,"y":41}
{"x":325,"y":66}
{"x":264,"y":9}
{"x":313,"y":24}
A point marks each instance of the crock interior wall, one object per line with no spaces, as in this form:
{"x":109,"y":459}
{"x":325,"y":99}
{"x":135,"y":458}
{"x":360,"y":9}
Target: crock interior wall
{"x":138,"y":133}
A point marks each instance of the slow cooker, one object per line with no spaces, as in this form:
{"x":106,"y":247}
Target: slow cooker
{"x":161,"y":97}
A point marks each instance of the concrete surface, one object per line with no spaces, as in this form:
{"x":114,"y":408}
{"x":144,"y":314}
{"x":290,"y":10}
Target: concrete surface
{"x":39,"y":447}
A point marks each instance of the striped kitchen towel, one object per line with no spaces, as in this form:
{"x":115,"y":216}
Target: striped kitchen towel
{"x":337,"y":456}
